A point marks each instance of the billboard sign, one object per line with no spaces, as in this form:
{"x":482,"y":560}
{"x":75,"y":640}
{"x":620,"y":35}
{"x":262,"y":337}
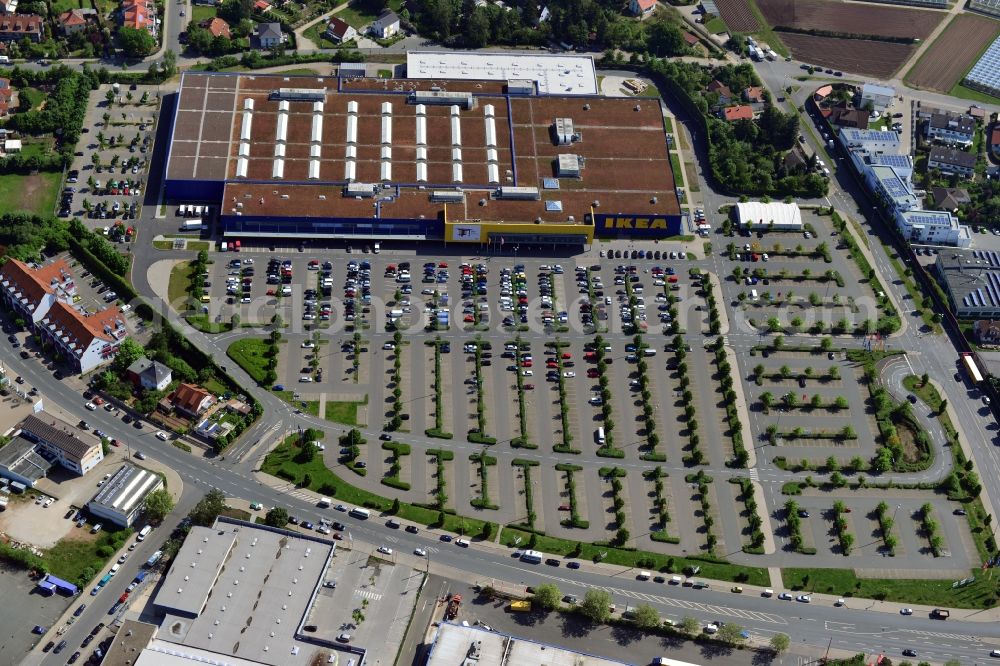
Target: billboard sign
{"x":647,"y":226}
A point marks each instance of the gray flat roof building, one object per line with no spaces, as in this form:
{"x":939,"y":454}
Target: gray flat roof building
{"x":972,"y":281}
{"x":123,"y":497}
{"x":20,"y":462}
{"x":244,"y":590}
{"x":456,"y":644}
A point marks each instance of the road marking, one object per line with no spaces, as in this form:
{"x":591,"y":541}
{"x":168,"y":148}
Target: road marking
{"x":936,"y":634}
{"x":754,"y":474}
{"x":368,"y":594}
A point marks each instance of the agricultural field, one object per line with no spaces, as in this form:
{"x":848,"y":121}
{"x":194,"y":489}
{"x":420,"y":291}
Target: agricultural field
{"x":855,"y":19}
{"x":738,"y":15}
{"x":953,"y":53}
{"x":877,"y":59}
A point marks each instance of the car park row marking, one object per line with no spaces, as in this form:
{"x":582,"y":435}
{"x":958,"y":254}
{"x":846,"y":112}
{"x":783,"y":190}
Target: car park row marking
{"x":936,"y":634}
{"x":704,"y":608}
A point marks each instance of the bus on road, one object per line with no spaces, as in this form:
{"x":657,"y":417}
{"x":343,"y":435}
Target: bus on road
{"x":971,"y":368}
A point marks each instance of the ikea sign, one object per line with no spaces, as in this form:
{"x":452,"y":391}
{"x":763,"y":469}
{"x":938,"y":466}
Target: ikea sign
{"x":650,"y":226}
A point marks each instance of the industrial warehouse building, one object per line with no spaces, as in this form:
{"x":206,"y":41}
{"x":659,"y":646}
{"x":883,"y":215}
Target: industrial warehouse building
{"x":472,"y":161}
{"x":972,"y":282}
{"x":123,"y":496}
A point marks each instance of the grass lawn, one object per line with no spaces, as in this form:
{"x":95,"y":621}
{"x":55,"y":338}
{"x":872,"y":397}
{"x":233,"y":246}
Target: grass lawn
{"x":197,"y":246}
{"x":180,"y":281}
{"x":282,"y":462}
{"x":35,"y":194}
{"x":631,"y":558}
{"x":78,"y":560}
{"x":60,"y":6}
{"x":163,"y":245}
{"x":249,"y":353}
{"x":692,"y":174}
{"x":357,"y":18}
{"x":843,"y":582}
{"x":315,"y":33}
{"x":968,"y":93}
{"x":675,"y":167}
{"x":200,"y":13}
{"x":345,"y":412}
{"x":716,"y":25}
{"x":33,"y":97}
{"x":202,"y":323}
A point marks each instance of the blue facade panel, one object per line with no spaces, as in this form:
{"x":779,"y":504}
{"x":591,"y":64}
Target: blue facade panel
{"x":611,"y":225}
{"x":242,"y":225}
{"x":194,"y":190}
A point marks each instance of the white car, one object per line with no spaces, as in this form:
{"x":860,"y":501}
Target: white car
{"x":308,"y":344}
{"x":385,"y":550}
{"x":804,"y":598}
{"x":162,"y":436}
{"x":906,"y":611}
{"x":526,"y":372}
{"x":121,"y":560}
{"x":91,"y":406}
{"x":420,"y":552}
{"x":388,"y":346}
{"x":569,"y":373}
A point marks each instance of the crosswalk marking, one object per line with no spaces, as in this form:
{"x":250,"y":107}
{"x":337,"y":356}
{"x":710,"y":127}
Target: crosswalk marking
{"x":368,"y":594}
{"x":754,"y":474}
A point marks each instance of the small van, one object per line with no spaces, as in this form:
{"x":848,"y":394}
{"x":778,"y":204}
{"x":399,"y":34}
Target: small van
{"x":114,"y":569}
{"x":767,"y":593}
{"x":144,"y":532}
{"x":643,"y":575}
{"x":753,"y":295}
{"x":600,"y":436}
{"x":649,"y":351}
{"x":323,"y":503}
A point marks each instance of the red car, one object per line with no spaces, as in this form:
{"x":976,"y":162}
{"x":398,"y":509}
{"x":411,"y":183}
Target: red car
{"x":528,"y":387}
{"x":567,"y":355}
{"x":593,"y":373}
{"x":526,"y":363}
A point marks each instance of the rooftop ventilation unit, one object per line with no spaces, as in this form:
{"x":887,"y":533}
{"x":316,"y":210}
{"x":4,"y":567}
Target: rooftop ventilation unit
{"x":518,"y":193}
{"x":360,"y":190}
{"x":464,"y":100}
{"x":299,"y":94}
{"x":447,"y":196}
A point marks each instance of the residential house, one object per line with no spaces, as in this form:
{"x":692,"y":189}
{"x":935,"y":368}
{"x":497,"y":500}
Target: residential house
{"x":85,"y":341}
{"x":880,"y":97}
{"x":30,"y":291}
{"x":58,"y":441}
{"x":15,"y":27}
{"x":739,"y":112}
{"x":139,"y":14}
{"x":641,"y":7}
{"x":951,"y":161}
{"x":190,"y":400}
{"x":217,"y":27}
{"x":386,"y":25}
{"x":691,"y":39}
{"x":262,"y":6}
{"x":986,"y":331}
{"x":951,"y":128}
{"x":269,"y":35}
{"x":150,"y":375}
{"x":995,"y":141}
{"x":339,"y":31}
{"x":754,"y":95}
{"x":949,"y":198}
{"x":8,"y":6}
{"x":75,"y":20}
{"x":725,"y":94}
{"x":978,"y":113}
{"x":844,"y":116}
{"x":795,"y":161}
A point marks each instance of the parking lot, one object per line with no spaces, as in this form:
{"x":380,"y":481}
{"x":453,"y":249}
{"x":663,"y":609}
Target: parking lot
{"x":518,"y":339}
{"x":107,"y":177}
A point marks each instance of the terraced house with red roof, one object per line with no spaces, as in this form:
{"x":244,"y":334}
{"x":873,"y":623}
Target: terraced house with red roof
{"x":15,"y":27}
{"x":139,"y":14}
{"x":42,"y":296}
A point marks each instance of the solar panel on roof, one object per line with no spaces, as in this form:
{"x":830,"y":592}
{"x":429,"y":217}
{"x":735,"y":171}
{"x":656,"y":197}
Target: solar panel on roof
{"x":550,"y":183}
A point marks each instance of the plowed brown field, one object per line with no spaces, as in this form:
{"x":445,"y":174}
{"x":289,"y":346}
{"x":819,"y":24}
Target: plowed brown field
{"x":852,"y":18}
{"x":859,"y":56}
{"x":953,"y":52}
{"x":737,"y":15}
